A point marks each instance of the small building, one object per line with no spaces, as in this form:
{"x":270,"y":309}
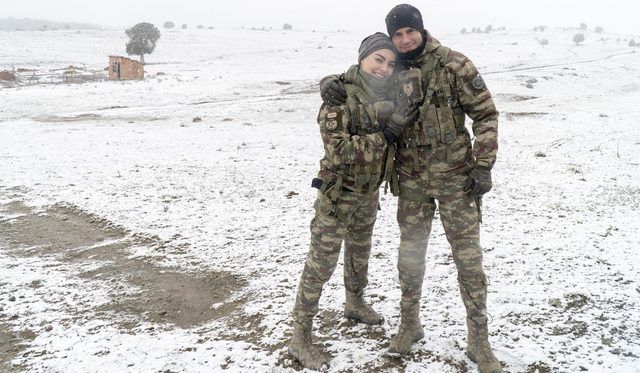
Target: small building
{"x":123,"y":68}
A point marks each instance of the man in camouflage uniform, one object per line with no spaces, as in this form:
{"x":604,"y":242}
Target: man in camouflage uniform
{"x":437,"y":161}
{"x":355,"y":137}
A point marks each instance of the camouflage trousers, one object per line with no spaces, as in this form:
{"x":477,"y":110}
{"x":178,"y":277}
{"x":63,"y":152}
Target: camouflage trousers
{"x":459,"y":214}
{"x":350,"y":219}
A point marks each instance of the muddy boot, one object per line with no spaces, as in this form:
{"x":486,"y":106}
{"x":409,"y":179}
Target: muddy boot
{"x":303,"y":350}
{"x":478,"y":347}
{"x":356,"y":309}
{"x":410,"y":330}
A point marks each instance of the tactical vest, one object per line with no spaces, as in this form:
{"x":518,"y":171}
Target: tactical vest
{"x":362,"y":178}
{"x":441,"y":117}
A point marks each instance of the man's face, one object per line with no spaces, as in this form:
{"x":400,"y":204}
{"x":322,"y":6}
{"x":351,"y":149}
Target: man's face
{"x":406,"y":39}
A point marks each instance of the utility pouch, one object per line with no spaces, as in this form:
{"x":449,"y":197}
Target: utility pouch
{"x":334,"y":189}
{"x":411,"y":85}
{"x":330,"y":185}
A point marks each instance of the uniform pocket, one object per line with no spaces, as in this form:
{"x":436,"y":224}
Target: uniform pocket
{"x":406,"y":159}
{"x":323,"y":205}
{"x":455,"y":160}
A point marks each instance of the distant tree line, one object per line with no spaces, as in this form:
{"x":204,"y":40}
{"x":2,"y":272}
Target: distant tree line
{"x":487,"y":29}
{"x":170,"y":25}
{"x":28,"y":24}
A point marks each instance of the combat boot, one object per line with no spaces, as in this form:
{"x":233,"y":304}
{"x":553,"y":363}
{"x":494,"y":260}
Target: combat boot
{"x":478,"y":347}
{"x":356,"y":309}
{"x":410,"y":330}
{"x":302,"y":348}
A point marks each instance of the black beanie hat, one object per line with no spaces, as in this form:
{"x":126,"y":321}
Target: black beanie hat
{"x":373,"y":43}
{"x":403,"y":15}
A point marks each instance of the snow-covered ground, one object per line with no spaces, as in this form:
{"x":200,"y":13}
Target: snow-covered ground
{"x":560,"y":226}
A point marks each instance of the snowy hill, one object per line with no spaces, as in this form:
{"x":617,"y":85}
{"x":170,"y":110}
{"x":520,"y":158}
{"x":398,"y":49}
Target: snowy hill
{"x":162,"y":225}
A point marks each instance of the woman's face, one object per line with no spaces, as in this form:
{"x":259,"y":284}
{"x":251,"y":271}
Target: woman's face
{"x":379,"y":63}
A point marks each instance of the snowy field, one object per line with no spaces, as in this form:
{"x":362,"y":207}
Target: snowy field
{"x":112,"y":191}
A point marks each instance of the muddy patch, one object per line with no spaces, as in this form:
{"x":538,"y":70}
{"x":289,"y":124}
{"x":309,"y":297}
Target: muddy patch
{"x":90,"y":117}
{"x":511,"y":97}
{"x":11,"y":344}
{"x":139,"y":288}
{"x":528,"y":114}
{"x":166,"y":295}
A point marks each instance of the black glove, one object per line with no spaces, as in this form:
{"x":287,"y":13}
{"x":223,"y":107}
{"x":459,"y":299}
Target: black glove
{"x":332,"y":91}
{"x":404,"y":115}
{"x":479,"y":182}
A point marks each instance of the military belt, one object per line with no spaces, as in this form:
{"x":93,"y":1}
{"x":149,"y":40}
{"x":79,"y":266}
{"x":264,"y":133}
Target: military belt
{"x":322,"y":187}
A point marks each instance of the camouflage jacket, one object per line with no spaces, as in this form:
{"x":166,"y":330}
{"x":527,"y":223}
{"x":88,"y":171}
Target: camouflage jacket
{"x":450,"y":87}
{"x":355,"y":150}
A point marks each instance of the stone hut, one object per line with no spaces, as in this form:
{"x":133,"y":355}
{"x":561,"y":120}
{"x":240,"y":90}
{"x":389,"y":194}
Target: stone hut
{"x":123,"y":68}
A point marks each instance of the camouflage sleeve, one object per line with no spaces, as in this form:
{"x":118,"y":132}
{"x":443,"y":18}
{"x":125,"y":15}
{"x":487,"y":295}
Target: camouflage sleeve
{"x":477,"y":103}
{"x":340,"y":146}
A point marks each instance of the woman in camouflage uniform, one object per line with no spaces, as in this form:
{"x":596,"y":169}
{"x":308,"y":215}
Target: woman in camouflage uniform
{"x":356,"y":137}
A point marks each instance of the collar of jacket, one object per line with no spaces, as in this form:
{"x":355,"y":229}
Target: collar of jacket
{"x":431,"y":45}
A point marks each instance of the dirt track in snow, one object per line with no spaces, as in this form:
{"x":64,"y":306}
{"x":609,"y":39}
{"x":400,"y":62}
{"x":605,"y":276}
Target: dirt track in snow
{"x":67,"y":237}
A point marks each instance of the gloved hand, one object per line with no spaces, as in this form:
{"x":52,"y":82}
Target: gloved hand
{"x":383,"y":111}
{"x":404,"y":115}
{"x":479,"y":182}
{"x":332,"y":91}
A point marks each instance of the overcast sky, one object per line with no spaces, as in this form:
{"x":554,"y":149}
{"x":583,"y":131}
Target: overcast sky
{"x":362,"y":16}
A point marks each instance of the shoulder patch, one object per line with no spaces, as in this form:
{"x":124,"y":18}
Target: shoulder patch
{"x":333,"y":118}
{"x":478,"y":83}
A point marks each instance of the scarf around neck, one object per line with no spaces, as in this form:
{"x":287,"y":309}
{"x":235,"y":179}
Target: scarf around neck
{"x":375,"y":88}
